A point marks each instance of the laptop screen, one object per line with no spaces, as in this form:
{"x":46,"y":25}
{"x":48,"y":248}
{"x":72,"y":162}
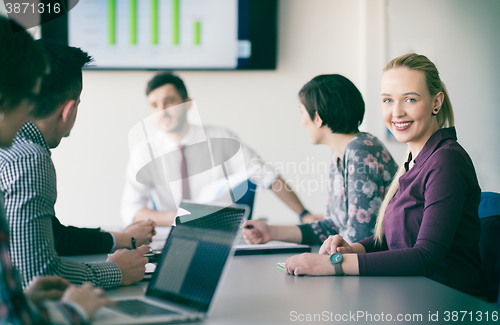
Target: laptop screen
{"x":212,"y":217}
{"x":191,"y":266}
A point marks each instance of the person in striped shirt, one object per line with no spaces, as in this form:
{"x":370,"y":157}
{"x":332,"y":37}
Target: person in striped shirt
{"x":21,"y":68}
{"x":28,"y":179}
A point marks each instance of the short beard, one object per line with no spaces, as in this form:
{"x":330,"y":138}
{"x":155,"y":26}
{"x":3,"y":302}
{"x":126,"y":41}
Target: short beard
{"x":181,"y":122}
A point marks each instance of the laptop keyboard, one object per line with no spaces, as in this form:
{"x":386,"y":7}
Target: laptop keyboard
{"x":138,"y":308}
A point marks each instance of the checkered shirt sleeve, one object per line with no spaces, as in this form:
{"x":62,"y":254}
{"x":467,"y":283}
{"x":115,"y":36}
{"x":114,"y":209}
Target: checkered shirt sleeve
{"x":15,"y":308}
{"x":28,"y":180}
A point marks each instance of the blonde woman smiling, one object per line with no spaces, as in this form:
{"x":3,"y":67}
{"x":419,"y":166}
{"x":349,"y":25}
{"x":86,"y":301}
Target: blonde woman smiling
{"x":428,"y":223}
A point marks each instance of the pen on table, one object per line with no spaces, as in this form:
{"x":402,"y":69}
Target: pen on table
{"x":134,"y":246}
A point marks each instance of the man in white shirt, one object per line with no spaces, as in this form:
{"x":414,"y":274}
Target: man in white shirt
{"x":158,"y":200}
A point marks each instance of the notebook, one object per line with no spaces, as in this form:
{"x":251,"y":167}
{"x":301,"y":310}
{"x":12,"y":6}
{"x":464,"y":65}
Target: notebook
{"x":271,"y":248}
{"x":185,"y":279}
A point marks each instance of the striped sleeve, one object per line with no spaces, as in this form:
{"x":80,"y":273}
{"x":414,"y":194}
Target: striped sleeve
{"x":15,"y":308}
{"x":29,"y":183}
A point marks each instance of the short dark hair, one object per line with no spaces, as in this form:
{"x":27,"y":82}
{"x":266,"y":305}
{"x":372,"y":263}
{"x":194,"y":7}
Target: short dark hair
{"x":21,"y":63}
{"x":164,"y":78}
{"x":337,"y":100}
{"x":65,"y":79}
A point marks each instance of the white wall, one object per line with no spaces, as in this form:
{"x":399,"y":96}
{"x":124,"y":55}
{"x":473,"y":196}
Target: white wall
{"x":261,"y":107}
{"x":350,"y":37}
{"x":462,"y":38}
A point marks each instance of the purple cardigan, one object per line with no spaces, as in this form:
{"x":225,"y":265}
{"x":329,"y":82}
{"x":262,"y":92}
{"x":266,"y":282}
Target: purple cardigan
{"x":431,"y":225}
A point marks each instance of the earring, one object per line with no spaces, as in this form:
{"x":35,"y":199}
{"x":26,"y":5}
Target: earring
{"x":435,"y":111}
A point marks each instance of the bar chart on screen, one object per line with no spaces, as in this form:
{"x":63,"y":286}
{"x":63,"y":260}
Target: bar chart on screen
{"x":162,"y":33}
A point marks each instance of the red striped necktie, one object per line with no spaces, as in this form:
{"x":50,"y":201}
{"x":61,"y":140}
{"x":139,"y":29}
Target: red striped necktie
{"x":185,"y":182}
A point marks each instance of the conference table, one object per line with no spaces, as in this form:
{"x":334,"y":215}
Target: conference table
{"x":254,"y":291}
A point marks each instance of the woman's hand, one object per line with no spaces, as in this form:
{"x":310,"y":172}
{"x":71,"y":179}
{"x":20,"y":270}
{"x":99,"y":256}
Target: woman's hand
{"x":309,"y":264}
{"x":335,"y":244}
{"x":256,"y":232}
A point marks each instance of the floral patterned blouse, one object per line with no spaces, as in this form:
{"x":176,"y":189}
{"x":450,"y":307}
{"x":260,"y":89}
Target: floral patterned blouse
{"x":357,"y":186}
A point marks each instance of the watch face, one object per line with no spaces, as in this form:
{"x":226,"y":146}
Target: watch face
{"x":336,"y":258}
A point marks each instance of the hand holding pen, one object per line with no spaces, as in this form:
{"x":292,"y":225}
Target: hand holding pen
{"x":142,"y":232}
{"x":256,"y":232}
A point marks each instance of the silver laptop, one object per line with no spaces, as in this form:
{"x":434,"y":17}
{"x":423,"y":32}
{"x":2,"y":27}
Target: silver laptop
{"x":185,"y":279}
{"x":212,"y":216}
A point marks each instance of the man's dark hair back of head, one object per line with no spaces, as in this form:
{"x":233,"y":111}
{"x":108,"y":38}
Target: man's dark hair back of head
{"x":65,"y":79}
{"x":21,"y":64}
{"x":336,"y":100}
{"x":165,"y":78}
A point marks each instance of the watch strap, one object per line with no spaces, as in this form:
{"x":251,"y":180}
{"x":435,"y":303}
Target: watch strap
{"x":338,"y":269}
{"x":303,"y":213}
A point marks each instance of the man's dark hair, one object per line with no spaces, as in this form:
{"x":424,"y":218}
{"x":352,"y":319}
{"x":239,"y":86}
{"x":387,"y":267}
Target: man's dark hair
{"x":165,"y":78}
{"x":21,"y":64}
{"x":337,"y":100}
{"x":65,"y":79}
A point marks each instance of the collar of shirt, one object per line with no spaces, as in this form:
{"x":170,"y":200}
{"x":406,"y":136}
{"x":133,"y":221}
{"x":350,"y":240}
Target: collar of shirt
{"x":30,"y":132}
{"x":195,"y":134}
{"x":431,"y":145}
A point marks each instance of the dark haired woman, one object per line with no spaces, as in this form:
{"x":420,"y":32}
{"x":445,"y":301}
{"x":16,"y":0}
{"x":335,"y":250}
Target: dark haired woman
{"x":360,"y":173}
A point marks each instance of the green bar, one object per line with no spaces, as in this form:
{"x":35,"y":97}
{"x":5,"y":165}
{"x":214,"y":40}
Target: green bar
{"x":197,"y":32}
{"x":133,"y":22}
{"x":175,"y":22}
{"x":154,"y":22}
{"x":112,"y":22}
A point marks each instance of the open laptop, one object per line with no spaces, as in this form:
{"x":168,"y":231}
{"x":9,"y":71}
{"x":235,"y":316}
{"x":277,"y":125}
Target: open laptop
{"x":249,"y":197}
{"x":213,"y":216}
{"x":185,"y":280}
{"x":242,"y":193}
{"x":228,"y":219}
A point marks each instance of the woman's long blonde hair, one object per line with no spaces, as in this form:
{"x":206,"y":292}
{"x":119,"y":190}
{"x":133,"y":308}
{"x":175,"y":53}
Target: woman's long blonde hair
{"x":444,"y":118}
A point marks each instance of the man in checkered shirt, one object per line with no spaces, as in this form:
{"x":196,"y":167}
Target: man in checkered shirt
{"x":28,"y":179}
